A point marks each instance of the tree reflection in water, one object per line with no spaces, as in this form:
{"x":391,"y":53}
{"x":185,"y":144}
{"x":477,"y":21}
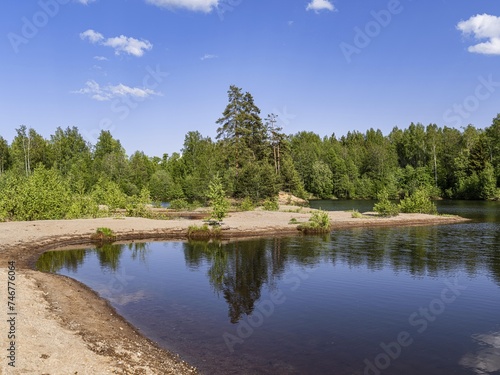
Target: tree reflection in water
{"x":239,"y":270}
{"x":108,"y":255}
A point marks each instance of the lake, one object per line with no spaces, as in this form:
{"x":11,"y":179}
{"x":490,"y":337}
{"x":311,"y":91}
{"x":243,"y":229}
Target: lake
{"x":410,"y":300}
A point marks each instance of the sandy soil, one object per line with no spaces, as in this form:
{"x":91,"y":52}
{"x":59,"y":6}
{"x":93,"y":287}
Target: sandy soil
{"x":62,"y":327}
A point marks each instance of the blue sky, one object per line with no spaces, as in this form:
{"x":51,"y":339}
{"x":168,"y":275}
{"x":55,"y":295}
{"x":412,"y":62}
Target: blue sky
{"x":152,"y":70}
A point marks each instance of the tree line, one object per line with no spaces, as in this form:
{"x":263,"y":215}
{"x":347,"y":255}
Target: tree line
{"x":255,"y":159}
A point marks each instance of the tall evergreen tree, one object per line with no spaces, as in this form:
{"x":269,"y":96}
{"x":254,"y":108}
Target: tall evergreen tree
{"x":242,"y":129}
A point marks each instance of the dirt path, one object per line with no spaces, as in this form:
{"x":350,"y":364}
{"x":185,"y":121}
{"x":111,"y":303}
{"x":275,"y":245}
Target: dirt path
{"x":62,"y":327}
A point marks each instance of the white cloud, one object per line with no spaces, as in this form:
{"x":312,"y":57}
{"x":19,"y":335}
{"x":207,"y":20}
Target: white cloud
{"x":318,"y":5}
{"x":195,"y":5}
{"x":120,"y":43}
{"x":92,"y":36}
{"x":100,"y":58}
{"x":483,"y":26}
{"x":128,"y":45}
{"x":85,"y":2}
{"x":105,"y":93}
{"x":208,"y":57}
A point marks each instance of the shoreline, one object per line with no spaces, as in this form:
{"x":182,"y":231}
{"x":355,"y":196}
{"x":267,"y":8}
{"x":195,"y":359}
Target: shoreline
{"x":58,"y":313}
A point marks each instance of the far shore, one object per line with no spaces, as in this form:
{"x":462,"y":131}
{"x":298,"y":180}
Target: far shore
{"x":64,"y":327}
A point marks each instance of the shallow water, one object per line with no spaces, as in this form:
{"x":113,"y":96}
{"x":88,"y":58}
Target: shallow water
{"x":414,"y":300}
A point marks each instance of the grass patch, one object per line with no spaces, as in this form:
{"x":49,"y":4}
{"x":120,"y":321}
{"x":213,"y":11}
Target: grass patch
{"x":355,"y":214}
{"x":449,"y":215}
{"x":103,"y":235}
{"x":203,"y":232}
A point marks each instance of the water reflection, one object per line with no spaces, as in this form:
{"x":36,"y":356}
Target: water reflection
{"x":361,"y":287}
{"x":108,"y":254}
{"x":485,"y":360}
{"x":54,"y":261}
{"x":238,"y":271}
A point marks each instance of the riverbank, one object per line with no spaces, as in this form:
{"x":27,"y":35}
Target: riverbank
{"x":64,"y":328}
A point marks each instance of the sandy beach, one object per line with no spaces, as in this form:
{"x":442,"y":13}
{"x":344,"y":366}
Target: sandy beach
{"x":62,"y":327}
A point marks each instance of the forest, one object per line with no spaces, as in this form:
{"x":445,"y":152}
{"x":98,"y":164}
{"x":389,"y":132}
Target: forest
{"x":66,"y":177}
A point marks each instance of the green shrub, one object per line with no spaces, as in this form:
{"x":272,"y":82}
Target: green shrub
{"x":218,"y":200}
{"x":271,"y":204}
{"x":418,"y":202}
{"x":293,"y":221}
{"x":318,"y":223}
{"x":179,"y":204}
{"x":384,"y":207}
{"x":83,"y":206}
{"x":138,"y":205}
{"x":11,"y":186}
{"x":45,"y":195}
{"x":108,"y":193}
{"x":247,"y":205}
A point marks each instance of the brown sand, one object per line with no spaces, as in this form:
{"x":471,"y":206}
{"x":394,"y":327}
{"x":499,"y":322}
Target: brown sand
{"x":62,"y":327}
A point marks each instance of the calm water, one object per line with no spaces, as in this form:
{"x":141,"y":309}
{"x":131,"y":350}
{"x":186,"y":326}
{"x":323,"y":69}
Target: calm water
{"x":423,"y":300}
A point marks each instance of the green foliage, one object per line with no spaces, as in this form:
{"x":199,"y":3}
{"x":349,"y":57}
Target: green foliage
{"x":319,"y":222}
{"x":12,"y":186}
{"x":4,"y":155}
{"x":44,"y":195}
{"x":271,"y":204}
{"x":83,"y":206}
{"x":107,"y":192}
{"x":488,"y":183}
{"x":293,"y":220}
{"x":179,"y":204}
{"x":257,"y":180}
{"x":418,"y":202}
{"x":64,"y":176}
{"x":384,"y":207}
{"x":247,"y":205}
{"x":321,"y":180}
{"x":414,"y":179}
{"x":218,"y":200}
{"x":364,"y":187}
{"x":139,"y":206}
{"x":321,"y":219}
